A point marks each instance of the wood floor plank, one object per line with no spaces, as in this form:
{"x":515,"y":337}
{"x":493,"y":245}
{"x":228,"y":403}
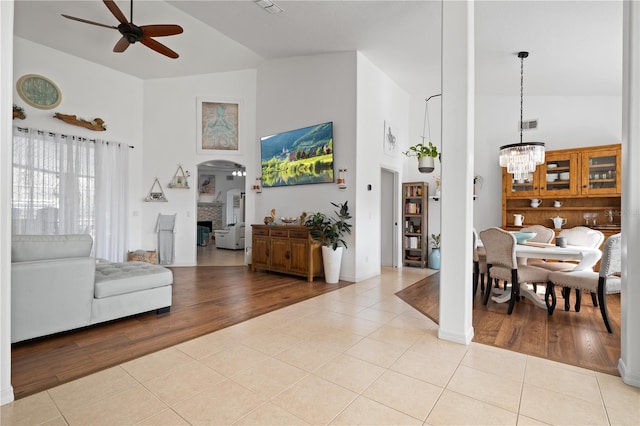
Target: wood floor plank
{"x":205,"y":299}
{"x":576,"y":338}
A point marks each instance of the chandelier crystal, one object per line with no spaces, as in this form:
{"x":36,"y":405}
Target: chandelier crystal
{"x":522,"y":158}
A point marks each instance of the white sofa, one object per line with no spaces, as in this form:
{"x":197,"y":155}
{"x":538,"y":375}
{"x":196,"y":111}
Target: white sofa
{"x":57,"y":286}
{"x":232,"y":237}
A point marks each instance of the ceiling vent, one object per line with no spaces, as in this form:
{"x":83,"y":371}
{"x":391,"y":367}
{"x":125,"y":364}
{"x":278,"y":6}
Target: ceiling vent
{"x":529,"y":124}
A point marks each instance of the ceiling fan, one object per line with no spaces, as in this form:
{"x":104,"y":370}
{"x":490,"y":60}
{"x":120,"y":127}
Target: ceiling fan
{"x":132,"y":33}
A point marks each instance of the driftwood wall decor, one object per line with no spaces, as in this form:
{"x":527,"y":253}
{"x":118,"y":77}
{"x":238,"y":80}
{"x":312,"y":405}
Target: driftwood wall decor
{"x":96,"y":124}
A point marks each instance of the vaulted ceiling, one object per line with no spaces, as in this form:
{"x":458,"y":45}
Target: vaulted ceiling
{"x":576,"y":46}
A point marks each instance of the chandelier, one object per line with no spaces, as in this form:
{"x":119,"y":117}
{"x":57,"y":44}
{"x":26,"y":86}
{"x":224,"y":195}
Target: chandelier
{"x":521,"y":159}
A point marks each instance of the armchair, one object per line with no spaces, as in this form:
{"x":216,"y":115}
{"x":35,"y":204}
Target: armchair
{"x":231,"y":237}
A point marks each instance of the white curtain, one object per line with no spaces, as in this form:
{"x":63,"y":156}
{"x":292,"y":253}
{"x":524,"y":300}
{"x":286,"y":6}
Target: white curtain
{"x":70,"y":185}
{"x":112,"y":167}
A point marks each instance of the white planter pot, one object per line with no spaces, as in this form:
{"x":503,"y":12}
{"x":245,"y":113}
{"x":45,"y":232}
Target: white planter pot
{"x":426,"y":164}
{"x":332,"y":259}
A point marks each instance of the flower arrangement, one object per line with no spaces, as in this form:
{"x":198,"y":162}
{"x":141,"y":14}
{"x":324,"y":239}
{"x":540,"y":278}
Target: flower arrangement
{"x":435,"y":240}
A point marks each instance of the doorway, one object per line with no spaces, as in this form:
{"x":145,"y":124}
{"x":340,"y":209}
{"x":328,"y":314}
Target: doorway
{"x":388,"y":218}
{"x":220,"y":206}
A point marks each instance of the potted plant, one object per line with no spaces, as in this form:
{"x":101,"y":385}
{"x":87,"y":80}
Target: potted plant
{"x":425,"y":155}
{"x":434,"y":257}
{"x":329,"y":231}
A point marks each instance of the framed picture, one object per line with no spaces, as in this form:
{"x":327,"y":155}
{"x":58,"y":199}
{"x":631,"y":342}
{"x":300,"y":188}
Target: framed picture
{"x":207,"y":184}
{"x":218,"y":126}
{"x":390,"y":139}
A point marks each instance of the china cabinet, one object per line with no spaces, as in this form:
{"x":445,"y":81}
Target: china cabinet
{"x":582,"y":185}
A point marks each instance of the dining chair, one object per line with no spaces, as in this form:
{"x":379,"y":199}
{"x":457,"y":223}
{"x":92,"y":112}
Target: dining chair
{"x":479,"y":266}
{"x":500,"y":248}
{"x":606,"y":281}
{"x":577,"y":236}
{"x":543,"y":234}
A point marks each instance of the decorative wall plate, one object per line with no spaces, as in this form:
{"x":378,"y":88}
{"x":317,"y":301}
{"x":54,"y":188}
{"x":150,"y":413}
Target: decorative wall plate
{"x":38,"y":91}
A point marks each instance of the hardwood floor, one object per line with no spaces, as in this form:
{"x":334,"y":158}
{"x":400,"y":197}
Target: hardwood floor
{"x":205,"y":299}
{"x":576,"y":338}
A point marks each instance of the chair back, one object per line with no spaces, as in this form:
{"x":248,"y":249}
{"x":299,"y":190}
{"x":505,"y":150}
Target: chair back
{"x":611,"y":263}
{"x":476,"y":256}
{"x":500,"y":247}
{"x":583,"y":236}
{"x":543,"y":234}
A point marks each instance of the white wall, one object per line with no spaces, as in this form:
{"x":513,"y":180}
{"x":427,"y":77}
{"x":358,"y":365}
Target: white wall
{"x":379,"y":101}
{"x":170,"y":139}
{"x":564,"y":122}
{"x":89,"y":91}
{"x":417,"y":124}
{"x":299,"y":92}
{"x":6,"y":82}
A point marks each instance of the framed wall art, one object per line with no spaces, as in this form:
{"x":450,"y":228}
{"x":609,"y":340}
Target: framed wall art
{"x":390,"y":139}
{"x":218,"y":126}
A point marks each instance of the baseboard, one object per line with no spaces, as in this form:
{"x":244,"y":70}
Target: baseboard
{"x":627,"y":376}
{"x":463,"y":339}
{"x":6,"y":395}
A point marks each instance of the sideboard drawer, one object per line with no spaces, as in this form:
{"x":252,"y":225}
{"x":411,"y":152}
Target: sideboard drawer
{"x":279,"y":233}
{"x":298,"y":234}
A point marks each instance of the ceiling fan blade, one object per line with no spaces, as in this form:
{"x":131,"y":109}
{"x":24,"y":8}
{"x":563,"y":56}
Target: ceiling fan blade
{"x":89,"y":22}
{"x":158,"y":47}
{"x":111,"y":5}
{"x":161,"y":30}
{"x":121,"y":45}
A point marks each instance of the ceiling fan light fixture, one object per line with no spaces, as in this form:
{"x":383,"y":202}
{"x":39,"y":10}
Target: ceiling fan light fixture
{"x":269,"y":6}
{"x":522,"y":158}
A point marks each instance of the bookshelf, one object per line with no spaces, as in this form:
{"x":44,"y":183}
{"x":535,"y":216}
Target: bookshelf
{"x":415,"y":196}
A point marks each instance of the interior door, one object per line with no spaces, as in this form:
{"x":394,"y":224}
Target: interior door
{"x":388,"y":219}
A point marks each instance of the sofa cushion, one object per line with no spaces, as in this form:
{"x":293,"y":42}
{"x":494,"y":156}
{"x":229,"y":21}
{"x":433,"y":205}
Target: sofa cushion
{"x":25,"y":248}
{"x":120,"y":278}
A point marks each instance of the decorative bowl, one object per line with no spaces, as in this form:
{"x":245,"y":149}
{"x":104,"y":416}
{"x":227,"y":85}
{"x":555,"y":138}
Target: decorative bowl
{"x":522,"y":237}
{"x":288,"y":220}
{"x":551,"y":177}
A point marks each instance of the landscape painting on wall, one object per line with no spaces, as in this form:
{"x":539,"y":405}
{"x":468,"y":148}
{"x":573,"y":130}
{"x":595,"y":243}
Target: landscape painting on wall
{"x":298,"y":157}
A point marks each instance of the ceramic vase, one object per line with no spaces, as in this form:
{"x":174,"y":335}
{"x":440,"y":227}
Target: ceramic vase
{"x":332,"y":259}
{"x":434,"y":258}
{"x":426,"y":164}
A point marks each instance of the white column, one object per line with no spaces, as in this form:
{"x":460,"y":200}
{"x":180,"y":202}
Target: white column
{"x":457,"y":170}
{"x":629,"y":363}
{"x":6,"y":96}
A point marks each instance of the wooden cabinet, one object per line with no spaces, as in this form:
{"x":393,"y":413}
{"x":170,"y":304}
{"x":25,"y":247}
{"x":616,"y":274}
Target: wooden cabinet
{"x":415,"y":226}
{"x":600,"y":172}
{"x":583,"y":180}
{"x":286,"y":249}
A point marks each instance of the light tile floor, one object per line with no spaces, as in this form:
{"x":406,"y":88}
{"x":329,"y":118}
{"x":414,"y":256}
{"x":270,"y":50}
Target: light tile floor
{"x":358,"y":355}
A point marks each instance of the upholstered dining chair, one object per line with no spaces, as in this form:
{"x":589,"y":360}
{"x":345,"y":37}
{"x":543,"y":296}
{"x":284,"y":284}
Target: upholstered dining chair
{"x":479,"y":266}
{"x":500,"y":248}
{"x":607,"y":280}
{"x":577,"y":236}
{"x":543,"y":234}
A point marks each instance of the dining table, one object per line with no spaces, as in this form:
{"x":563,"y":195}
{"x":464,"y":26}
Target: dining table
{"x":586,"y":257}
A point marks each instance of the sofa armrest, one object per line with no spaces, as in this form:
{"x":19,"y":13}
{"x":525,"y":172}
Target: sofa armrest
{"x":49,"y":296}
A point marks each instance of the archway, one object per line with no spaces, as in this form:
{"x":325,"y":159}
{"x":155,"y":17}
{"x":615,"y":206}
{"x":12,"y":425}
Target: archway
{"x":220,"y":204}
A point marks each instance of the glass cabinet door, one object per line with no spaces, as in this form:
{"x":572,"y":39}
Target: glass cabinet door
{"x":601,"y":172}
{"x":526,"y":187}
{"x":560,"y":174}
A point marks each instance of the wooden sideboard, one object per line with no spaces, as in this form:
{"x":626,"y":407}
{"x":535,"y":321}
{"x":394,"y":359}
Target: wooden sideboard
{"x":286,"y":248}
